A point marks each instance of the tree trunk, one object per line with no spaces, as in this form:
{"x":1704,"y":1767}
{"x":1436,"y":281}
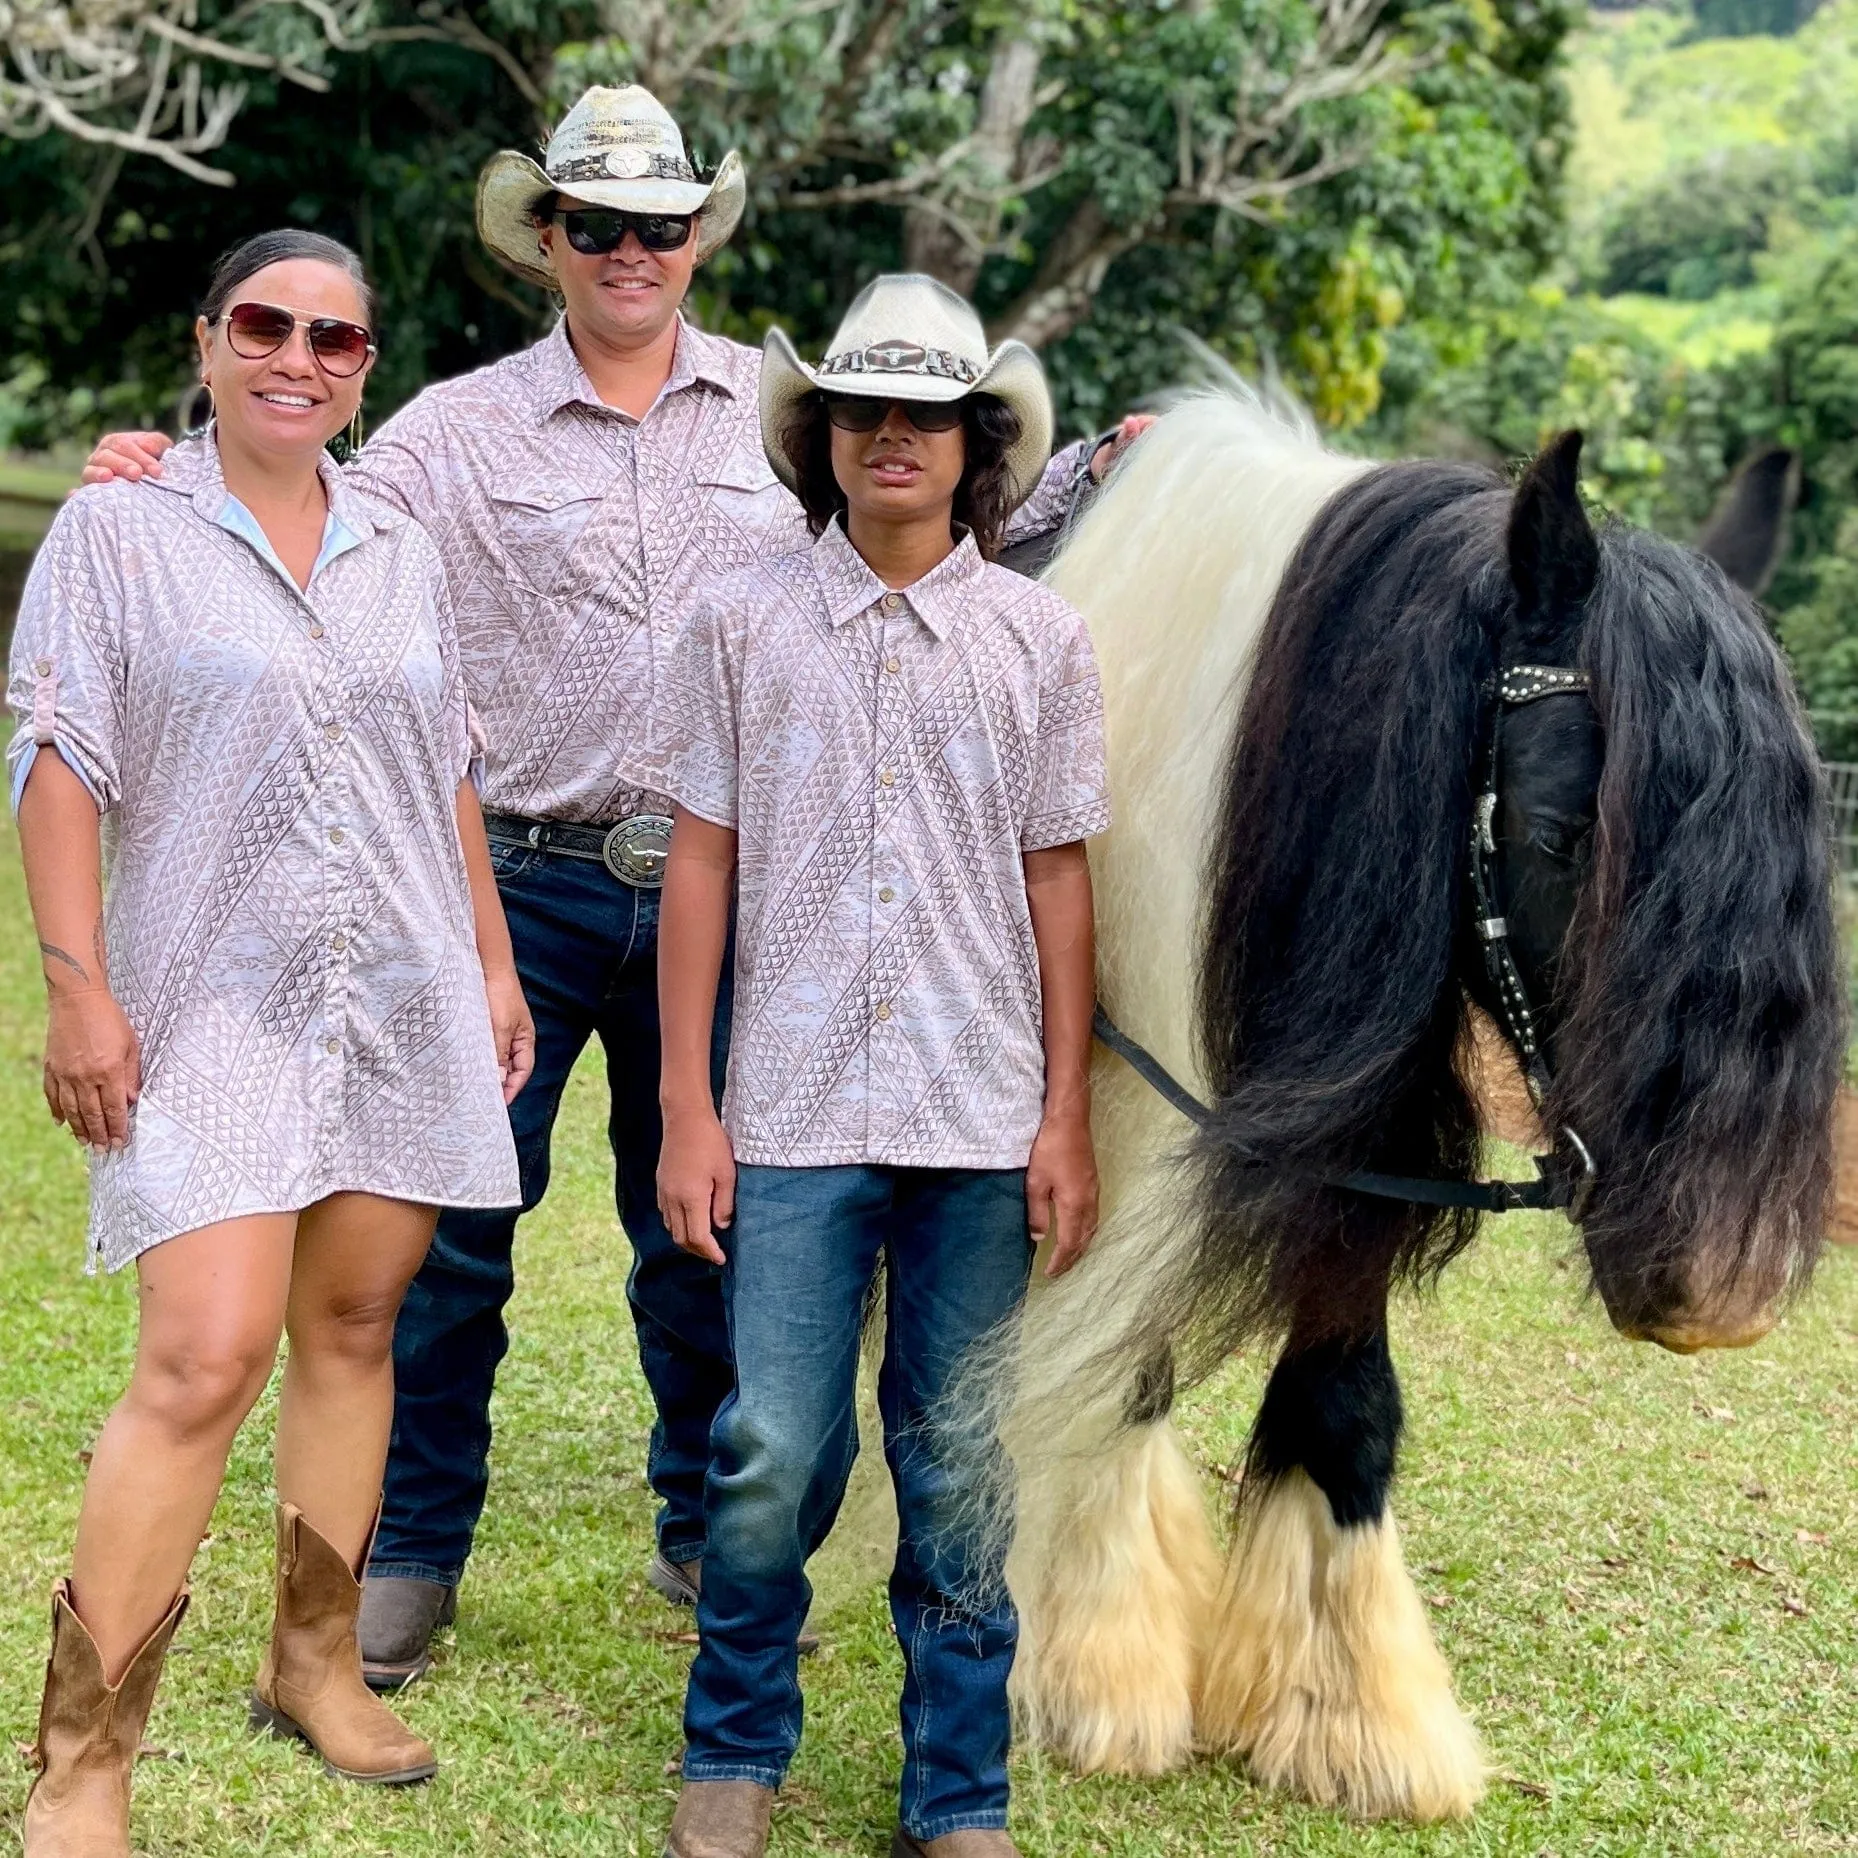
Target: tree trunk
{"x":931,"y":242}
{"x":1060,"y":296}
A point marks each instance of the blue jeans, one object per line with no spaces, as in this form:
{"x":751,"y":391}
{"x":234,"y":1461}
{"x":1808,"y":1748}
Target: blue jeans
{"x":803,"y":1251}
{"x":586,"y":949}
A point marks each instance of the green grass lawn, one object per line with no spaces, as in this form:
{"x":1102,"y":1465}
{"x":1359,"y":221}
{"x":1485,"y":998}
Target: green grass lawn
{"x":1642,"y":1568}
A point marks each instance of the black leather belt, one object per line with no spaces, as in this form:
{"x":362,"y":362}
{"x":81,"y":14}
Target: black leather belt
{"x":633,"y":849}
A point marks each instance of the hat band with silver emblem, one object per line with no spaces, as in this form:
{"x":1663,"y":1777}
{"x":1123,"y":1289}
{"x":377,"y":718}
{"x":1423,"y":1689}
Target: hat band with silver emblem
{"x":901,"y":358}
{"x":628,"y":164}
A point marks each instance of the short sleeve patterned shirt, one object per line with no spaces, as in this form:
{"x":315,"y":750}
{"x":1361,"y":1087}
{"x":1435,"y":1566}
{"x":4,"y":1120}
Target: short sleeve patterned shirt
{"x":576,"y":539}
{"x":887,"y":760}
{"x":288,"y":919}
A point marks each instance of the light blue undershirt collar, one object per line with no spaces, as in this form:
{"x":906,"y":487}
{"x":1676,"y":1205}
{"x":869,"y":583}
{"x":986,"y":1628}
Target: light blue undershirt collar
{"x":338,"y":538}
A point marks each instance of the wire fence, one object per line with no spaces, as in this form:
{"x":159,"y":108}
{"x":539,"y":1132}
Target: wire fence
{"x":1842,"y":791}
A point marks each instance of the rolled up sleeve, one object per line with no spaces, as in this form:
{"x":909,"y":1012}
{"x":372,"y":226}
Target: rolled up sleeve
{"x":68,"y":679}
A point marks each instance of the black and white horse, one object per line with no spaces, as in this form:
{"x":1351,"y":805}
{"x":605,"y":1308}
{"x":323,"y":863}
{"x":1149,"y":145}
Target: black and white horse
{"x":1387,"y":739}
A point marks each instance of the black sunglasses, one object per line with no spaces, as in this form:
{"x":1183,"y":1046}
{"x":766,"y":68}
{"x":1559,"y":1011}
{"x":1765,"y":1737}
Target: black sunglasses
{"x":858,"y":413}
{"x":255,"y":330}
{"x":596,"y":231}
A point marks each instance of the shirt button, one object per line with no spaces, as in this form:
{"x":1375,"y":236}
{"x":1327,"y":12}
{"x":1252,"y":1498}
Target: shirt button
{"x":886,"y":895}
{"x":893,"y":665}
{"x":332,"y":1046}
{"x":316,"y":629}
{"x":883,"y":1009}
{"x":886,"y":778}
{"x":43,"y":667}
{"x":893,"y":603}
{"x":333,"y":731}
{"x":336,"y":835}
{"x":338,"y":941}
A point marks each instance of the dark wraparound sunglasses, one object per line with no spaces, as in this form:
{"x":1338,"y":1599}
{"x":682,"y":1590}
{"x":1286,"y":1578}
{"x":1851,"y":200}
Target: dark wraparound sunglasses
{"x":255,"y":330}
{"x":858,"y":413}
{"x":600,"y":230}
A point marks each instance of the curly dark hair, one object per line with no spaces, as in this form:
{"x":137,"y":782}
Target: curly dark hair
{"x":983,"y":498}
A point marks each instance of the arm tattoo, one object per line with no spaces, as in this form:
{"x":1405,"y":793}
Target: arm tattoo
{"x":99,"y":947}
{"x":52,"y":952}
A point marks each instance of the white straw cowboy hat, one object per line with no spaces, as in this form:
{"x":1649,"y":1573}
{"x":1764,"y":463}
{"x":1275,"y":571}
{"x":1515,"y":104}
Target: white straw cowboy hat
{"x":615,"y":148}
{"x":909,"y":337}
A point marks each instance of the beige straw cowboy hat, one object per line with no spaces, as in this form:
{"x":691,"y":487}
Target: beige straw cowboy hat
{"x":909,"y":337}
{"x":615,"y":148}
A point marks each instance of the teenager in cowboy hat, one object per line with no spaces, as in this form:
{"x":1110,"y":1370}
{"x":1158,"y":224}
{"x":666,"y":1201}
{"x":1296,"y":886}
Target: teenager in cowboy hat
{"x":579,"y":492}
{"x":894,"y":749}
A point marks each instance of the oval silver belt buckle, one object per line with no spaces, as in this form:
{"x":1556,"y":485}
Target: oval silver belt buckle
{"x":635,"y":850}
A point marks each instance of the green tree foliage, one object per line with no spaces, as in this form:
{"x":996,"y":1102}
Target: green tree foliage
{"x":1298,"y":180}
{"x":1816,"y":360}
{"x":1738,"y":19}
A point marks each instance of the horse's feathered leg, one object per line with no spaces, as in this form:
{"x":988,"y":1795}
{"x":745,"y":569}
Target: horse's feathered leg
{"x":1115,"y":1596}
{"x":1320,"y":1666}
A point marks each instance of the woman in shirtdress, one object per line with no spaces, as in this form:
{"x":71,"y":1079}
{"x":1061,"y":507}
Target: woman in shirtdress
{"x":288,"y":1029}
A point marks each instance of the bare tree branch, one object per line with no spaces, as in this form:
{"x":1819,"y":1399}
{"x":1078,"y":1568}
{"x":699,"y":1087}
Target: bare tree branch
{"x":131,"y":75}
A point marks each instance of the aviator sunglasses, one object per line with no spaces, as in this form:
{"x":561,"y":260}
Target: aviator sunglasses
{"x":596,"y":231}
{"x":860,"y":413}
{"x":255,"y":330}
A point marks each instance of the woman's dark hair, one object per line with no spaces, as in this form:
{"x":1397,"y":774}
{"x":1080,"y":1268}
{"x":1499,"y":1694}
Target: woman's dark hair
{"x":248,"y":258}
{"x":983,"y":498}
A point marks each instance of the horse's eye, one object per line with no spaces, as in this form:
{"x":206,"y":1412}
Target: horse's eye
{"x":1558,"y":839}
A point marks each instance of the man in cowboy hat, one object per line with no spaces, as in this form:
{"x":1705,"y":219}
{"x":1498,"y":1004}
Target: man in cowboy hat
{"x":895,"y":747}
{"x":579,"y":491}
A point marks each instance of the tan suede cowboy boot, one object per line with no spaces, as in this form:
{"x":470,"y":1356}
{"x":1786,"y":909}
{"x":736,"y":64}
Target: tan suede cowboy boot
{"x":89,"y":1732}
{"x":721,"y":1819}
{"x":978,"y":1843}
{"x":311,"y":1686}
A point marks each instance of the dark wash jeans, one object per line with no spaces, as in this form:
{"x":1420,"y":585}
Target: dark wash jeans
{"x":586,"y":949}
{"x":802,"y":1252}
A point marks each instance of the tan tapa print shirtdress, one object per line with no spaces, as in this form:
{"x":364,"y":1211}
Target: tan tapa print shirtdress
{"x":288,"y":918}
{"x":886,"y":759}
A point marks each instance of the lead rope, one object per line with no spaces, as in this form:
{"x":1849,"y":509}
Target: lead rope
{"x":1553,"y":1187}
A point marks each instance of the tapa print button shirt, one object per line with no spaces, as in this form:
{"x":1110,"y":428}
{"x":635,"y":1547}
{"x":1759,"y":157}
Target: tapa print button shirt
{"x":288,"y":918}
{"x":887,"y":760}
{"x":576,"y":537}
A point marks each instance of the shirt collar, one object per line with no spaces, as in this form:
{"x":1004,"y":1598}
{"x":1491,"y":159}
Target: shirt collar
{"x":192,"y":469}
{"x":850,"y":586}
{"x":337,"y":540}
{"x":561,"y":380}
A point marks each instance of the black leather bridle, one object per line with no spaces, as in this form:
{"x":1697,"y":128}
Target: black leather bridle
{"x":1565,"y":1177}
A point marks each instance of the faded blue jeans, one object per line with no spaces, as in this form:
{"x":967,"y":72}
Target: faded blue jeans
{"x":587,"y":952}
{"x":803,"y":1251}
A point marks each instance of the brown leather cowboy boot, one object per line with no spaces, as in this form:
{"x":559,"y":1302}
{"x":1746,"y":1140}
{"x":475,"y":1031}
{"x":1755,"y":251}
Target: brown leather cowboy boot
{"x":978,"y":1843}
{"x":311,"y":1687}
{"x":721,"y":1819}
{"x":89,"y":1732}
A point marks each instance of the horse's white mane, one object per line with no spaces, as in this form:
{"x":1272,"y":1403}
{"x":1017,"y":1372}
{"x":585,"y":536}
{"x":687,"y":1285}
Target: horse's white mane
{"x":1175,"y":568}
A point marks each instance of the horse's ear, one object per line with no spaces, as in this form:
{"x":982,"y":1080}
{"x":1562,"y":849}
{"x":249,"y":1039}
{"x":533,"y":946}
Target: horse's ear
{"x":1554,"y":554}
{"x":1748,"y":526}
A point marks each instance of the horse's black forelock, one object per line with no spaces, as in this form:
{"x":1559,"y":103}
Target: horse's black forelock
{"x":1328,"y":1010}
{"x":1703,"y":1022}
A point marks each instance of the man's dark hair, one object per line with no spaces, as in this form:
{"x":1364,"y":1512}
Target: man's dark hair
{"x":983,"y":498}
{"x":247,"y":259}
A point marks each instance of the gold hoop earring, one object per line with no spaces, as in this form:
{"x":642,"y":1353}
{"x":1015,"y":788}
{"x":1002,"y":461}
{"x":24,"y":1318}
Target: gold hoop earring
{"x":347,"y":442}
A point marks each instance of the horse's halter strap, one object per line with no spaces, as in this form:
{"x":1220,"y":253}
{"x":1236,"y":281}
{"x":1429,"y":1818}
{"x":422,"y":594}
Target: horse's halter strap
{"x":1520,"y":684}
{"x":1564,"y":1182}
